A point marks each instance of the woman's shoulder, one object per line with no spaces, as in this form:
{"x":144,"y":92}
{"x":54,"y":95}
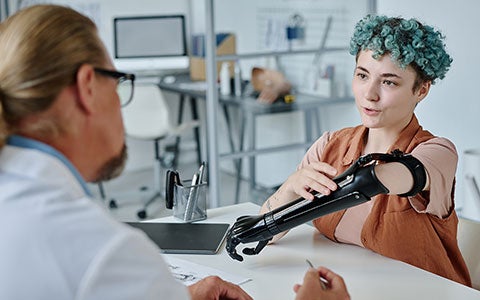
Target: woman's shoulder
{"x":439,"y":141}
{"x":440,"y":147}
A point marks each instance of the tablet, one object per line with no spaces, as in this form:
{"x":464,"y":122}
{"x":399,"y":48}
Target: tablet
{"x":185,"y":238}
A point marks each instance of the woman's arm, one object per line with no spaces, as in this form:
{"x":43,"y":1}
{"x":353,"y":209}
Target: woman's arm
{"x":311,"y":174}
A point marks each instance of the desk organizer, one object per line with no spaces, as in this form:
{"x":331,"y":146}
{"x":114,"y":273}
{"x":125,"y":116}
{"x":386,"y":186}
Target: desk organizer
{"x":190,"y":202}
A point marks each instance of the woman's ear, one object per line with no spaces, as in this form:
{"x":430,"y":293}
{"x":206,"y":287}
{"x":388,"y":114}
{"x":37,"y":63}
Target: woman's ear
{"x":423,"y":90}
{"x":85,"y":87}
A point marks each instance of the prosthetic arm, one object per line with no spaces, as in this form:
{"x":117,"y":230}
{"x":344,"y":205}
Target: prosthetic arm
{"x":355,"y":186}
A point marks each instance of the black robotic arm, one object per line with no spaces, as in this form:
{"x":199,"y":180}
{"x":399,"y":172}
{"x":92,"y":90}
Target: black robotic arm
{"x":355,"y":186}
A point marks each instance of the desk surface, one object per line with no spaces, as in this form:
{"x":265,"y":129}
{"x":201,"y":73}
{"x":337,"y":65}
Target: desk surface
{"x":368,"y":275}
{"x":302,"y":101}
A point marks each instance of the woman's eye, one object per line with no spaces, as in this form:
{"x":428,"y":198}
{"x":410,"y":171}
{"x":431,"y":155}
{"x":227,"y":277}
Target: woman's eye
{"x":389,"y":83}
{"x":361,"y":75}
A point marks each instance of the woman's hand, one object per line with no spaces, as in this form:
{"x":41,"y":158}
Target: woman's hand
{"x":316,"y":176}
{"x":313,"y":177}
{"x":311,"y":288}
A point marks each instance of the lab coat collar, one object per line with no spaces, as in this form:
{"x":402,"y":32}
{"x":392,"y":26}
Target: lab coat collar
{"x":23,"y":142}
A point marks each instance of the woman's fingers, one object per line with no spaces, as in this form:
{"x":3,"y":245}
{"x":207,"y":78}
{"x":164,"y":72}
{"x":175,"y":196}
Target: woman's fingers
{"x":317,"y":177}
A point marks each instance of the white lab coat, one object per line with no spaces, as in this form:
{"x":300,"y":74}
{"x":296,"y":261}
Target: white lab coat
{"x":56,"y":243}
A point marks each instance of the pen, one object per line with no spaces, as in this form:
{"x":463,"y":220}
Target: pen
{"x":191,"y":199}
{"x":322,"y":281}
{"x":201,"y":171}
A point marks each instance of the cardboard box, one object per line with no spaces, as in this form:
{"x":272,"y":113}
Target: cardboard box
{"x":225,"y":45}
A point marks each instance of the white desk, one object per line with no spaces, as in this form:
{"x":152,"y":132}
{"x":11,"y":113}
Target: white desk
{"x":368,"y":275}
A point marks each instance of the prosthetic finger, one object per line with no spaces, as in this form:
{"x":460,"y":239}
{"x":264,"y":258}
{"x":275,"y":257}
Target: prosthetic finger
{"x":256,"y":250}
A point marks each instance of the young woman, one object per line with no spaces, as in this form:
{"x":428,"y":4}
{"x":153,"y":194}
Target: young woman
{"x":397,"y":61}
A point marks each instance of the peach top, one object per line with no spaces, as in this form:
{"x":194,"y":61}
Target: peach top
{"x":439,"y":157}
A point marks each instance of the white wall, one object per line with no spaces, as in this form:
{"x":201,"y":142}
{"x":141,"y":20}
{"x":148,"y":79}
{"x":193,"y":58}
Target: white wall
{"x":140,"y":152}
{"x":241,"y":18}
{"x":452,"y":109}
{"x":102,"y":12}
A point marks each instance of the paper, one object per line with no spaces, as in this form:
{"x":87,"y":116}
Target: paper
{"x":189,"y":273}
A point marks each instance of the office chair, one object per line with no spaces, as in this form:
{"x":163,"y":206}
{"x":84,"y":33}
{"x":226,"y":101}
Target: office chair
{"x":468,"y":237}
{"x":147,"y":117}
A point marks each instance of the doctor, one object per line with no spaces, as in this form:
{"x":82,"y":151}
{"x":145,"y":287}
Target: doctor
{"x":60,"y":126}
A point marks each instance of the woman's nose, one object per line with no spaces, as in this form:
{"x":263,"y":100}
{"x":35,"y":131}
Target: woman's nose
{"x":371,"y":92}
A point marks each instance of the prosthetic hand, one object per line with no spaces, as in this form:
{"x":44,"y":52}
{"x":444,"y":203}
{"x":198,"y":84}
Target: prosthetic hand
{"x":355,"y":186}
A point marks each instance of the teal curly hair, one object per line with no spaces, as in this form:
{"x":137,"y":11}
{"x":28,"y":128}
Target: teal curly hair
{"x":409,"y":42}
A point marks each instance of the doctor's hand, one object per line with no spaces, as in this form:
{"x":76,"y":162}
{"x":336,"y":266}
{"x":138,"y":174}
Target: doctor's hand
{"x":311,"y":289}
{"x":214,"y":288}
{"x":316,"y":176}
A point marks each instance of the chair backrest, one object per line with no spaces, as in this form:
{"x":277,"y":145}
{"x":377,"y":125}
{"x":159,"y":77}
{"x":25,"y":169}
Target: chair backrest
{"x":469,"y":243}
{"x":147,"y":116}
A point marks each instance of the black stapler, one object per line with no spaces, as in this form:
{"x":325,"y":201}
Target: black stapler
{"x":172,"y":179}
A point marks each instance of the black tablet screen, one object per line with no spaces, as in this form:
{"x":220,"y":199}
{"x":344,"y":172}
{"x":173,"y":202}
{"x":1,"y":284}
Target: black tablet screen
{"x":192,"y":238}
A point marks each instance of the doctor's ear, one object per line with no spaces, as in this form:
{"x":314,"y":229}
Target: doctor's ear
{"x":85,"y":87}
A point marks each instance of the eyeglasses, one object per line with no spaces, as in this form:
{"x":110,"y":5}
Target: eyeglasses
{"x":124,"y":86}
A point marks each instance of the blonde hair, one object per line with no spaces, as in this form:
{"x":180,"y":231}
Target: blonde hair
{"x":41,"y":49}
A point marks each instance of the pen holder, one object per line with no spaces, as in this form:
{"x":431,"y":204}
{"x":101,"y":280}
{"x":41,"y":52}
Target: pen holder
{"x":190,"y":202}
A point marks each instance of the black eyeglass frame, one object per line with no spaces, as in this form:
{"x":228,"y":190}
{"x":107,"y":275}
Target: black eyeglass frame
{"x":121,"y":77}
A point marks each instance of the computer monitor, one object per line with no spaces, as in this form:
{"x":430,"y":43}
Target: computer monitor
{"x":150,"y":43}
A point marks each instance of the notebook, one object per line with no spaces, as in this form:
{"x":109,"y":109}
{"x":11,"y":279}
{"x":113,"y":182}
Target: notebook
{"x":185,"y":238}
